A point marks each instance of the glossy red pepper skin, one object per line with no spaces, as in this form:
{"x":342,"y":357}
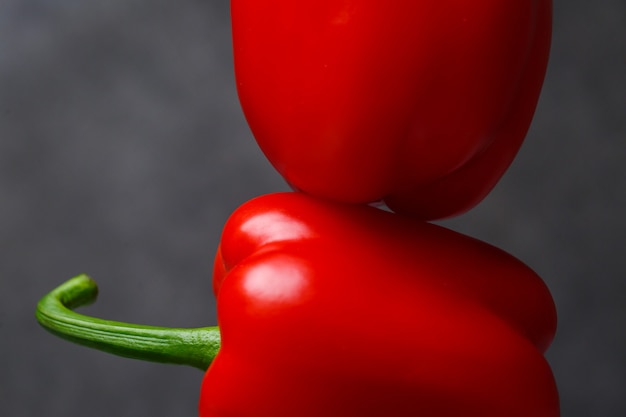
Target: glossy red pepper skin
{"x":422,"y":104}
{"x":337,"y":310}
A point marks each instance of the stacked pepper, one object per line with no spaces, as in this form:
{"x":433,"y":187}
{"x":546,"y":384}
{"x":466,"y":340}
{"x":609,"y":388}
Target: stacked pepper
{"x":326,"y":304}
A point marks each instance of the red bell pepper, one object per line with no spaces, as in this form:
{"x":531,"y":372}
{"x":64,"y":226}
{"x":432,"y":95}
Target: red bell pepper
{"x":328,"y":309}
{"x":422,"y":104}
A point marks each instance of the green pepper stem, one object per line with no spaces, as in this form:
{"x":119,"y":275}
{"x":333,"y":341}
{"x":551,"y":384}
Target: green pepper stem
{"x":196,"y":347}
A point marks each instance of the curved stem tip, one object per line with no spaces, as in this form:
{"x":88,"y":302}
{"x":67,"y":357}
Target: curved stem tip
{"x":196,"y":347}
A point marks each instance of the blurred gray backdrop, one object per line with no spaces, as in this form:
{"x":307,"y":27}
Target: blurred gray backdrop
{"x":123,"y":150}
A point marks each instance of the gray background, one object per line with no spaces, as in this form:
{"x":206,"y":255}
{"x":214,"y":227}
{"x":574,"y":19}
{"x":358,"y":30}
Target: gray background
{"x":123,"y":150}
